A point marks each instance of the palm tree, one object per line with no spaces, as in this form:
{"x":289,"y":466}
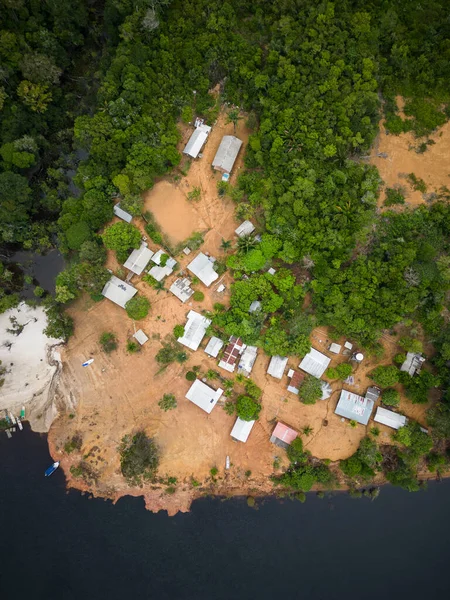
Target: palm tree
{"x":225,"y":245}
{"x":233,"y":117}
{"x":246,"y":243}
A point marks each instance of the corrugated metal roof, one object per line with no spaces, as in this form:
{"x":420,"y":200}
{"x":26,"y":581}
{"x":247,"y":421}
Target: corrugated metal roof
{"x":241,"y":430}
{"x":296,"y":380}
{"x":389,"y":418}
{"x":315,"y":363}
{"x":159,"y":272}
{"x":196,"y":141}
{"x":277,"y":366}
{"x":413,"y":363}
{"x":194,"y":330}
{"x":122,"y":214}
{"x":231,"y":354}
{"x":326,"y":390}
{"x":284,"y":433}
{"x":226,"y":153}
{"x":245,"y":228}
{"x":181,"y":288}
{"x":335,"y":348}
{"x":118,"y":291}
{"x":202,"y":267}
{"x":352,"y":406}
{"x":203,"y":396}
{"x":138,"y":259}
{"x":373,"y":393}
{"x":140,"y":337}
{"x":214,"y":346}
{"x":247,"y":360}
{"x":254,"y":306}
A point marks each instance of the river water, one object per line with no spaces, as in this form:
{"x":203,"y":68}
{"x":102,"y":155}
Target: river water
{"x":64,"y":545}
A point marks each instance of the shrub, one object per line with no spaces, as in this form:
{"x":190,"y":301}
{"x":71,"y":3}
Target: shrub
{"x":251,"y":502}
{"x":295,"y":451}
{"x":390,"y":397}
{"x":191,"y":376}
{"x":38,"y":291}
{"x":229,"y":407}
{"x":417,"y":387}
{"x":108,"y":342}
{"x":74,"y":443}
{"x":198,"y":296}
{"x":132,"y":347}
{"x":137,"y":308}
{"x":247,"y":409}
{"x":167,"y":402}
{"x":252,"y":390}
{"x":394,"y":196}
{"x":341,"y":371}
{"x":411,"y":344}
{"x":385,"y":376}
{"x":399,"y":359}
{"x":213,"y":471}
{"x":310,"y":390}
{"x":171,"y":352}
{"x":163,"y":259}
{"x":178,"y":331}
{"x":139,"y":458}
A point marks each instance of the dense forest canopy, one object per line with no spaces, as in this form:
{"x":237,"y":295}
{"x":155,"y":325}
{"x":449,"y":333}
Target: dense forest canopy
{"x":107,"y":82}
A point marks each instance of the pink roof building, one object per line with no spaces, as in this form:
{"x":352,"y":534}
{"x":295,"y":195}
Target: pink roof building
{"x":283,"y":436}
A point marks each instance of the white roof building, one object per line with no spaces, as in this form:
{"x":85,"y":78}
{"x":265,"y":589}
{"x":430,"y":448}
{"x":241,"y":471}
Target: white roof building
{"x":140,"y":337}
{"x":139,"y":259}
{"x":122,"y":214}
{"x":247,"y":360}
{"x":118,"y":291}
{"x":277,"y":366}
{"x":227,"y":153}
{"x":245,"y":228}
{"x":203,"y":396}
{"x":241,"y":430}
{"x":214,"y":346}
{"x":202,"y":267}
{"x":335,"y":348}
{"x":160,"y":272}
{"x":181,"y":288}
{"x":390,"y":418}
{"x":194,"y":330}
{"x":354,"y":407}
{"x":413,"y":363}
{"x":197,"y":141}
{"x":315,"y":363}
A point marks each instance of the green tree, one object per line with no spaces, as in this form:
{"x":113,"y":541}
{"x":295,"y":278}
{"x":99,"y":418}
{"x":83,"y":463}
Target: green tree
{"x":121,"y":237}
{"x":15,"y":204}
{"x":108,"y":342}
{"x":35,"y":95}
{"x":137,"y":308}
{"x":234,"y":117}
{"x":178,"y":331}
{"x":167,"y":402}
{"x":247,"y":409}
{"x":139,"y":458}
{"x":385,"y":376}
{"x":390,"y":397}
{"x":92,"y":252}
{"x":310,"y":390}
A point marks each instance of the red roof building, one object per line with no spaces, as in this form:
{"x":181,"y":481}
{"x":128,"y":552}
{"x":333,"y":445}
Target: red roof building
{"x":283,"y":435}
{"x":232,"y":353}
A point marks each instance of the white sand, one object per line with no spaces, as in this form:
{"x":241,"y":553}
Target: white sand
{"x":32,"y":366}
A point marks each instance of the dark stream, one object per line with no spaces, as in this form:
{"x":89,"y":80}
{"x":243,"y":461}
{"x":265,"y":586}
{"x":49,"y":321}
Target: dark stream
{"x":58,"y":545}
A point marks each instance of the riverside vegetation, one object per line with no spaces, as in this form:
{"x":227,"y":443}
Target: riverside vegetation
{"x":112,"y":79}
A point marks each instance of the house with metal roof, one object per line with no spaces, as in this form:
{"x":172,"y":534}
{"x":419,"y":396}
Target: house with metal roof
{"x":181,"y":288}
{"x":241,"y":430}
{"x":354,"y":407}
{"x":203,"y":396}
{"x":197,"y":140}
{"x":413,"y":363}
{"x":227,"y":153}
{"x":122,"y":214}
{"x":213,"y":347}
{"x":315,"y":363}
{"x":245,"y":228}
{"x":118,"y":291}
{"x":247,"y":360}
{"x":194,"y":330}
{"x":160,"y":272}
{"x":335,"y":348}
{"x":233,"y":350}
{"x":202,"y":267}
{"x":138,"y":259}
{"x":390,"y":418}
{"x":296,"y":379}
{"x":373,"y":393}
{"x":255,"y":306}
{"x":140,"y":337}
{"x":277,"y":366}
{"x":283,"y":436}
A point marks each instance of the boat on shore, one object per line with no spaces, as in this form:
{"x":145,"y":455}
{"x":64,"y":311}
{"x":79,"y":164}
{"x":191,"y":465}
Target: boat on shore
{"x":52,"y":469}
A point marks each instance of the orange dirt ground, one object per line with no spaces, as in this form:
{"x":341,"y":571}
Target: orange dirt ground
{"x":119,"y":393}
{"x":401,"y":159}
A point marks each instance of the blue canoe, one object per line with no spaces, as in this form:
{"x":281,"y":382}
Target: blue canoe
{"x":52,"y":469}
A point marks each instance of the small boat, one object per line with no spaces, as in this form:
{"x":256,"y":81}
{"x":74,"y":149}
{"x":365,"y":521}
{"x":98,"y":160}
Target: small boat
{"x":22,"y":413}
{"x":9,"y":434}
{"x":52,"y":469}
{"x":19,"y":423}
{"x":88,"y":362}
{"x":13,"y":418}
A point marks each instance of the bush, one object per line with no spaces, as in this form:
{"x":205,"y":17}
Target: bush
{"x":213,"y":472}
{"x":171,"y":352}
{"x":229,"y":407}
{"x":310,"y":390}
{"x":342,"y":371}
{"x":38,"y":291}
{"x":178,"y":331}
{"x":385,"y":376}
{"x":251,"y":502}
{"x":163,"y":259}
{"x":59,"y":324}
{"x":394,"y":196}
{"x":418,"y":387}
{"x":137,"y":308}
{"x":167,"y":402}
{"x":139,"y":458}
{"x":74,"y":443}
{"x":390,"y":397}
{"x":411,"y":344}
{"x":295,"y":451}
{"x":252,"y":390}
{"x":108,"y":342}
{"x":132,"y":347}
{"x":198,"y":296}
{"x":191,"y":376}
{"x":247,"y":409}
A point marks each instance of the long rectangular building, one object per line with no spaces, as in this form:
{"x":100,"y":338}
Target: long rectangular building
{"x":354,"y":407}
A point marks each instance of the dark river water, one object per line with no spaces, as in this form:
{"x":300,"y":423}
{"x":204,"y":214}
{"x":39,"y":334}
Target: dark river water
{"x":59,"y":545}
